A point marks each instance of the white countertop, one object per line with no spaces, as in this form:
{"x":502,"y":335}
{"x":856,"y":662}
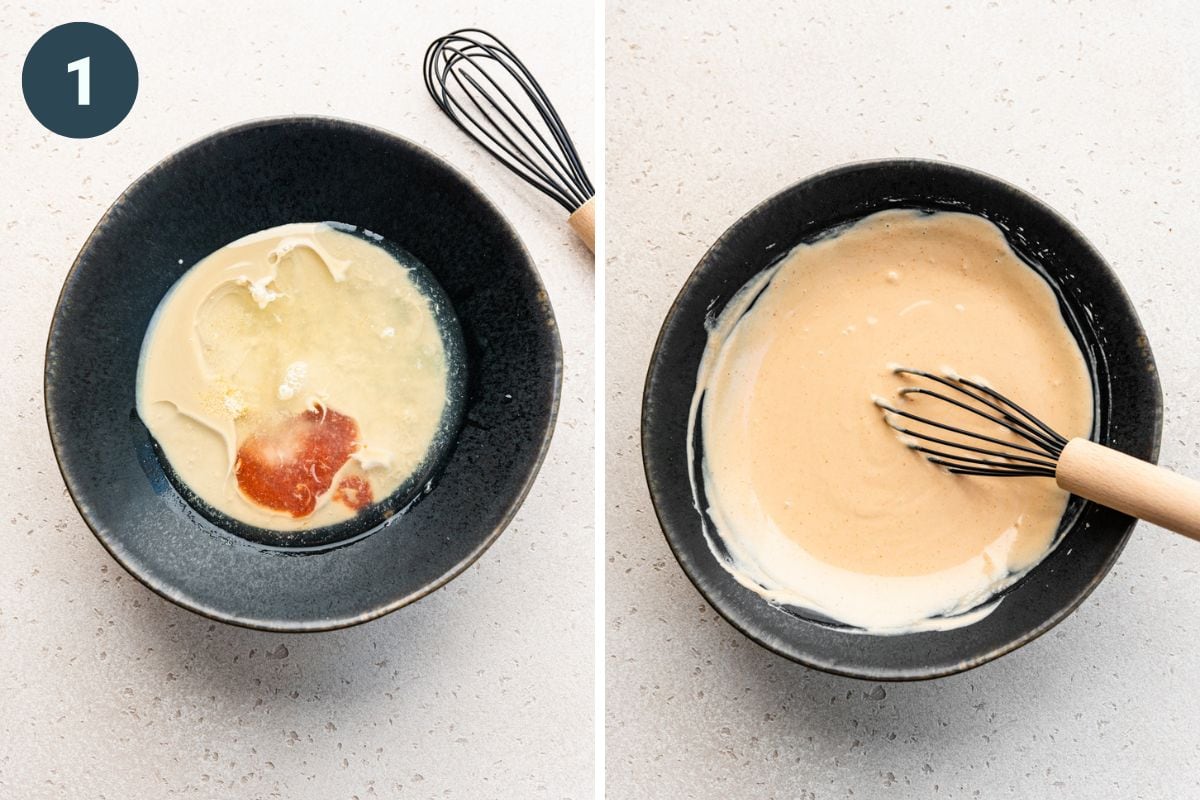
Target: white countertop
{"x":1092,"y":107}
{"x":485,"y":688}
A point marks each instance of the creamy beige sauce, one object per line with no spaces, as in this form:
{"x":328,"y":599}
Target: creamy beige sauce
{"x":813,"y":498}
{"x":262,"y":346}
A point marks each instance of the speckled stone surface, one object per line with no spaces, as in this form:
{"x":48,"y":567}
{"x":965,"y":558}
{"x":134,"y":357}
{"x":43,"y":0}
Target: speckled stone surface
{"x":1093,"y":108}
{"x":483,"y":689}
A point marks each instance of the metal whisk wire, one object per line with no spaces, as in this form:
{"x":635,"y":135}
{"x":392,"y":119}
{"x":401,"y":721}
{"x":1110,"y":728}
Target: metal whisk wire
{"x":464,"y":74}
{"x":1037,"y":457}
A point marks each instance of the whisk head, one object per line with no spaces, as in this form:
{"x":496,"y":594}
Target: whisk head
{"x":489,"y":93}
{"x":1033,"y":450}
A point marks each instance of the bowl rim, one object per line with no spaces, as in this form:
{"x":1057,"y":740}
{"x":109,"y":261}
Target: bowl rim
{"x":333,"y":623}
{"x":672,"y":536}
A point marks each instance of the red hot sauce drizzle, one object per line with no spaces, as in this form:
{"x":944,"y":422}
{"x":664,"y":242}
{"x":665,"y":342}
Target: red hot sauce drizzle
{"x":353,"y":491}
{"x":287,"y":467}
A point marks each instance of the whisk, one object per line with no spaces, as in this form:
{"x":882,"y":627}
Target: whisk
{"x":1079,"y":466}
{"x":489,"y":93}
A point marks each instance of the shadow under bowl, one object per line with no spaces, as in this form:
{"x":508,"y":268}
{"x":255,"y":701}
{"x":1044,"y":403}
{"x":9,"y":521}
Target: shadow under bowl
{"x":248,"y":178}
{"x":1128,"y":403}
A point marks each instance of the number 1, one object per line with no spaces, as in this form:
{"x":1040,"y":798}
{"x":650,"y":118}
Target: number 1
{"x":84,"y":67}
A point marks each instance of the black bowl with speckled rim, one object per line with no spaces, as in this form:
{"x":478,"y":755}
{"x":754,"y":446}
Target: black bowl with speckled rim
{"x":1127,"y":396}
{"x":244,"y":179}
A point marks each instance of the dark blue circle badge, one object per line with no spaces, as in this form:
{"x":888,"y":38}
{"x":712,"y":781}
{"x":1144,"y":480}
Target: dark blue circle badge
{"x":80,"y":80}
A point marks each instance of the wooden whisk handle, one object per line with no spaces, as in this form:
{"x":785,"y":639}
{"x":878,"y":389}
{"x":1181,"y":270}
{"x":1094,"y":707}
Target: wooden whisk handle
{"x":1130,"y":485}
{"x":583,"y":222}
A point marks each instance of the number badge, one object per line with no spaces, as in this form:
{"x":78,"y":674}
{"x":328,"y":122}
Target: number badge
{"x":80,"y":80}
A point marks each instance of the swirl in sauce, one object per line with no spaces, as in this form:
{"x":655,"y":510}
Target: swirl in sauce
{"x":813,"y":502}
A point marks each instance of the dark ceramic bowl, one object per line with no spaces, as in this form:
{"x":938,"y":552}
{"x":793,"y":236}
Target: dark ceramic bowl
{"x":1128,"y":411}
{"x":244,"y":179}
